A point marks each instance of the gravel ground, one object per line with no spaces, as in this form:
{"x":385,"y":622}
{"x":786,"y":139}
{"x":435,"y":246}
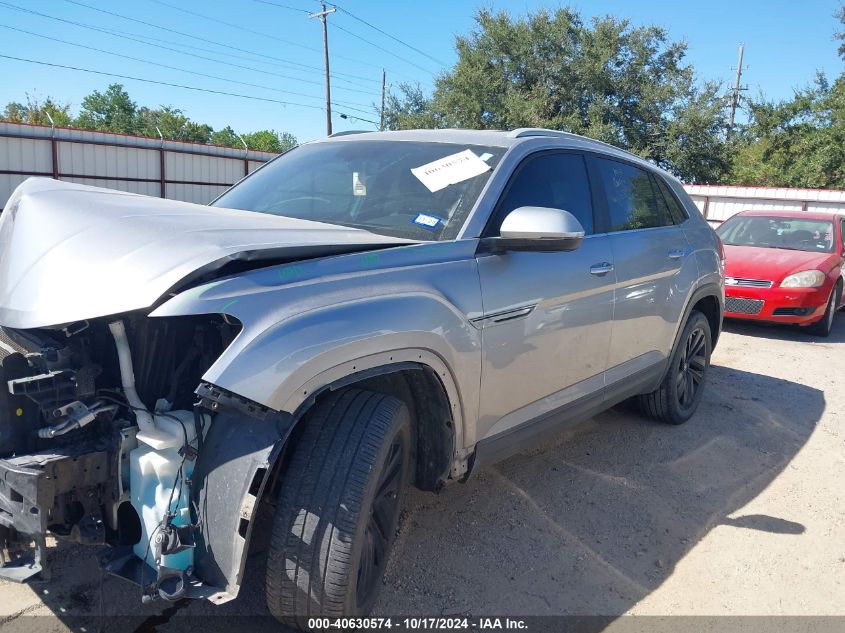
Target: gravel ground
{"x":741,"y":511}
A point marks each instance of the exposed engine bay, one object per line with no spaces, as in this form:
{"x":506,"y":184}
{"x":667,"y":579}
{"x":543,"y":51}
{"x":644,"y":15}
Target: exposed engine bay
{"x":100,"y":429}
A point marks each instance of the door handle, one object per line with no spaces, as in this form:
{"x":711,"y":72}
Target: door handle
{"x":601,"y":269}
{"x":676,"y":253}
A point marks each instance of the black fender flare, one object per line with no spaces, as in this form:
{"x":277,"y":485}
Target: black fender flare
{"x":232,"y":470}
{"x":706,"y":290}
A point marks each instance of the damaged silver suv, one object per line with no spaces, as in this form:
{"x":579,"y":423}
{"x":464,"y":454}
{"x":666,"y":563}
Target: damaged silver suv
{"x":364,"y":313}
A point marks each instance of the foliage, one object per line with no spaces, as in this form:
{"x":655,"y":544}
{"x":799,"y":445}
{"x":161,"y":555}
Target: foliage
{"x":606,"y":79}
{"x":270,"y":141}
{"x":798,"y":142}
{"x":35,"y":112}
{"x":109,"y":111}
{"x":795,"y":143}
{"x":114,"y":111}
{"x":173,"y":125}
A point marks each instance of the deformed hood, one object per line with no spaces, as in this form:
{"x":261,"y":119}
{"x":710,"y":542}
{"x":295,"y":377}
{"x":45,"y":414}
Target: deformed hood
{"x":70,"y":252}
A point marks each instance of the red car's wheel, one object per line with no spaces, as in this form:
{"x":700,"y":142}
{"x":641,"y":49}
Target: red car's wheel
{"x":825,"y":324}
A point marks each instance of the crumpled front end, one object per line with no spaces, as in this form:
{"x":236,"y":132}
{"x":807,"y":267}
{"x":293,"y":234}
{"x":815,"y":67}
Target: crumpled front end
{"x":104,"y":440}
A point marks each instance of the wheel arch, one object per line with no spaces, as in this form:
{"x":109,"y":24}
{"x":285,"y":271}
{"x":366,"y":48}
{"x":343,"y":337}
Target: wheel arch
{"x":708,"y":299}
{"x":419,"y":378}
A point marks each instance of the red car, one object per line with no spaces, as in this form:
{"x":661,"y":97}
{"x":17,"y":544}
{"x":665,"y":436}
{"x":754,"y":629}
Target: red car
{"x":784,"y":267}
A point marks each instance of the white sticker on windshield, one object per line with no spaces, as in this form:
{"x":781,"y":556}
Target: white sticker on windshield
{"x":450,"y":170}
{"x":358,"y":186}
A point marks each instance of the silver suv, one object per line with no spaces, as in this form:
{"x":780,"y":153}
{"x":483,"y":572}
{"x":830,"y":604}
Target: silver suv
{"x":366,"y":312}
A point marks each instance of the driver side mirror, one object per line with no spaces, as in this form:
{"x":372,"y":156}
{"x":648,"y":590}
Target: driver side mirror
{"x":539,"y":229}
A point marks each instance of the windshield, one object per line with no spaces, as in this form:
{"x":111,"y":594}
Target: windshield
{"x":766,"y":231}
{"x":420,"y":191}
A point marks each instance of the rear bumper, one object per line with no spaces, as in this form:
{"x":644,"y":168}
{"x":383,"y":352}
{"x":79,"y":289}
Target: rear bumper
{"x":797,"y":306}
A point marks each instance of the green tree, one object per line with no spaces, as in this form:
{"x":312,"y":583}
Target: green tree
{"x":36,"y":112}
{"x":113,"y":110}
{"x":226,"y":137}
{"x":799,"y":142}
{"x":606,"y":79}
{"x":410,"y":109}
{"x":109,"y":111}
{"x":173,"y":124}
{"x":270,"y":141}
{"x":262,"y":140}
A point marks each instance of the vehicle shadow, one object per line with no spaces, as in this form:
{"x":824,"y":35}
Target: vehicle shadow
{"x":586,"y":525}
{"x":594,"y":522}
{"x":786,"y":332}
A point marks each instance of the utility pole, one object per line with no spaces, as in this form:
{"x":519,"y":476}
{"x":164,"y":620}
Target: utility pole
{"x":736,"y":90}
{"x":322,"y":15}
{"x":383,"y":89}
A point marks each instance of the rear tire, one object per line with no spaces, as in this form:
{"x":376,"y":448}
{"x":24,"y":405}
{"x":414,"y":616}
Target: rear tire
{"x":823,"y":326}
{"x":338,"y":508}
{"x":677,"y":397}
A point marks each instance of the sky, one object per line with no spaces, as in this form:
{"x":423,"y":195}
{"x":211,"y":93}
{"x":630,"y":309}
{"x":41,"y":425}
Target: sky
{"x":271,"y":51}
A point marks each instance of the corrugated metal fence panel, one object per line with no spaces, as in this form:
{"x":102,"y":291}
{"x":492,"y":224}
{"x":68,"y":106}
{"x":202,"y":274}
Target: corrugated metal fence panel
{"x":145,"y":188}
{"x":201,"y":194}
{"x":121,"y":161}
{"x":253,"y":165}
{"x":719,"y":203}
{"x":19,"y":154}
{"x":8,"y":183}
{"x":81,"y":159}
{"x":210,"y":169}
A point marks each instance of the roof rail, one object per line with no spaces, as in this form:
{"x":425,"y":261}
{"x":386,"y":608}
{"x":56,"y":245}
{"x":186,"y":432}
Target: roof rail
{"x":539,"y":131}
{"x":348,"y":132}
{"x":522,"y":132}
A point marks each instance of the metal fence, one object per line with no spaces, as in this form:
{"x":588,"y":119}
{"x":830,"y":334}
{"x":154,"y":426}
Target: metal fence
{"x":169,"y":169}
{"x":718,"y":203}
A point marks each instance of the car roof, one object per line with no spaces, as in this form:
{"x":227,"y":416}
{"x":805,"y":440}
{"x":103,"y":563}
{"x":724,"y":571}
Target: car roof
{"x":807,"y":215}
{"x":495,"y":138}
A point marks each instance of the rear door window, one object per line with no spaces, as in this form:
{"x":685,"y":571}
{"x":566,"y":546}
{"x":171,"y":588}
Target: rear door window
{"x":631,"y":197}
{"x":678,"y":213}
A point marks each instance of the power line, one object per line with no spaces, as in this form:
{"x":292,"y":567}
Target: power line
{"x":143,"y":40}
{"x":391,"y":53}
{"x":234,"y":26}
{"x":196,"y":37}
{"x":393,"y":37}
{"x":252,"y":31}
{"x":349,"y":106}
{"x":162,"y":83}
{"x":282,"y":6}
{"x":378,"y":46}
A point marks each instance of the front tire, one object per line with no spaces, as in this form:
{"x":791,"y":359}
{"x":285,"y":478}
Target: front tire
{"x":678,"y":396}
{"x":823,"y":326}
{"x":338,"y":508}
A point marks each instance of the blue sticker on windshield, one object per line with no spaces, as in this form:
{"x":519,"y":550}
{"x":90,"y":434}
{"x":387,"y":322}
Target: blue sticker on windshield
{"x":427,"y":221}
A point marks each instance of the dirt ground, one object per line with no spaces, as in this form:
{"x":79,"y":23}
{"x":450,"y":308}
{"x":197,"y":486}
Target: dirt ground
{"x":740,"y":511}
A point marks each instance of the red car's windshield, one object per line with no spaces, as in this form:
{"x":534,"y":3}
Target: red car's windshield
{"x":769,"y":231}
